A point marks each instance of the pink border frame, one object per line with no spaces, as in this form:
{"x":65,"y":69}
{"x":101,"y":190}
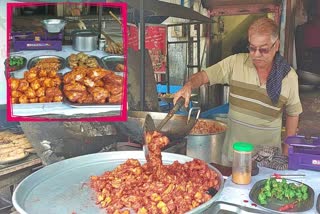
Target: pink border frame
{"x":123,"y":110}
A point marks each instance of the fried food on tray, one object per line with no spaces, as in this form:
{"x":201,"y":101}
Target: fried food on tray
{"x":120,"y":67}
{"x":16,"y":94}
{"x":154,"y":187}
{"x":14,"y":83}
{"x":82,"y":59}
{"x":30,"y":93}
{"x":35,"y":84}
{"x":96,"y":74}
{"x":48,"y":64}
{"x":13,"y":146}
{"x":33,"y":87}
{"x":23,"y":85}
{"x":23,"y":99}
{"x":92,"y":85}
{"x":114,"y":47}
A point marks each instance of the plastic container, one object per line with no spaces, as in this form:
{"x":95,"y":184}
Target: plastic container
{"x":242,"y":165}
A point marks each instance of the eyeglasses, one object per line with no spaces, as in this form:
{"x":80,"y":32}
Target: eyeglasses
{"x":261,"y":50}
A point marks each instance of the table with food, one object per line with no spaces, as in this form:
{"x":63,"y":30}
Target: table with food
{"x":48,"y":77}
{"x":153,"y":181}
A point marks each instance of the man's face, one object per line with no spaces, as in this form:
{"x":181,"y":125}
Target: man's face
{"x":262,"y":49}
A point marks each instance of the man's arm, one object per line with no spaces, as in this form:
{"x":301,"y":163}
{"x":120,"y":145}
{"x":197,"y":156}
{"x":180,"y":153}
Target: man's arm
{"x":291,"y":129}
{"x":195,"y":81}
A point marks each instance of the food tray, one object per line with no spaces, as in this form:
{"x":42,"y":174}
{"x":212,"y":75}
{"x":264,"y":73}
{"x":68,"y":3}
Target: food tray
{"x":220,"y":207}
{"x":97,"y":58}
{"x":274,"y":204}
{"x":110,"y":62}
{"x":26,"y":154}
{"x":90,"y":105}
{"x":32,"y":62}
{"x":15,"y":68}
{"x":66,"y":181}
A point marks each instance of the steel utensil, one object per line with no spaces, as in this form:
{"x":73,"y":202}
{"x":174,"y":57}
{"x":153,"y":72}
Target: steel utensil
{"x":221,"y":207}
{"x":175,"y":108}
{"x":148,"y":127}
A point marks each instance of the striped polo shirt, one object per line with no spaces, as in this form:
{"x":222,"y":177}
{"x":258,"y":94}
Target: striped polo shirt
{"x":248,"y":100}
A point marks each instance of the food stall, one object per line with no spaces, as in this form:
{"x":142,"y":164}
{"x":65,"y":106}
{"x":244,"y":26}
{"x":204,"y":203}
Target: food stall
{"x":72,"y":183}
{"x":57,"y":45}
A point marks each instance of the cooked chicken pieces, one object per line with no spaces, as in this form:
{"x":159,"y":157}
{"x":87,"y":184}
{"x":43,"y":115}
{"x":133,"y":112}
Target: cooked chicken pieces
{"x":38,"y":85}
{"x":96,"y":85}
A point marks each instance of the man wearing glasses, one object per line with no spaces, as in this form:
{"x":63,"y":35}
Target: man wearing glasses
{"x":262,"y":86}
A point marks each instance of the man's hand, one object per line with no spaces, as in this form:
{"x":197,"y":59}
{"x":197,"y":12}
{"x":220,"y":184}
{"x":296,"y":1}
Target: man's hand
{"x":195,"y":81}
{"x":183,"y":92}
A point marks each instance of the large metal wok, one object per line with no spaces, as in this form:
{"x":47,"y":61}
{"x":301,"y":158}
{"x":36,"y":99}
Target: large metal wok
{"x":60,"y":187}
{"x":176,"y":128}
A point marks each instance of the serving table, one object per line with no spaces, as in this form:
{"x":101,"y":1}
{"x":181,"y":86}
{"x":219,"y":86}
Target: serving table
{"x":239,"y":194}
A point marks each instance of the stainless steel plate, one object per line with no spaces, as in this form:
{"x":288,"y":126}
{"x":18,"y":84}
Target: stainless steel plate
{"x":26,"y":154}
{"x":61,"y":187}
{"x":220,"y":207}
{"x":90,"y":105}
{"x":274,"y":204}
{"x":33,"y":61}
{"x":97,"y":58}
{"x":110,"y":62}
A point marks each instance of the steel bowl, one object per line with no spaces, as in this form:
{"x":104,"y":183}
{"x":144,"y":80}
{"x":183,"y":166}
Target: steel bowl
{"x":309,"y":78}
{"x":53,"y":25}
{"x":84,"y":40}
{"x":62,"y":184}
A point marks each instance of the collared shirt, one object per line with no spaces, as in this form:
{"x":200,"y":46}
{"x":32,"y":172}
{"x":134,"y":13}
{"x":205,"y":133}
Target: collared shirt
{"x":250,"y":107}
{"x":249,"y":101}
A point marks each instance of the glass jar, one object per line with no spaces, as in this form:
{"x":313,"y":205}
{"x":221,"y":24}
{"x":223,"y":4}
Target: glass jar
{"x":102,"y":43}
{"x":241,"y":165}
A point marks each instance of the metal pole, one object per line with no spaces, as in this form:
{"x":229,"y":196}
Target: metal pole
{"x":168,"y":68}
{"x":142,"y":60}
{"x":99,"y":19}
{"x":198,"y":46}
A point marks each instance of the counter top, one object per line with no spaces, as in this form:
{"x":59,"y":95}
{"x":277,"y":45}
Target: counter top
{"x":238,"y":194}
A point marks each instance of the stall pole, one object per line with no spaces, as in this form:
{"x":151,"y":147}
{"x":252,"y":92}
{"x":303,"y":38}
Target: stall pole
{"x":142,"y":60}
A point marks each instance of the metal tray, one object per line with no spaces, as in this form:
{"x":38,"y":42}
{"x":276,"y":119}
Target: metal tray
{"x":220,"y":207}
{"x":32,"y":62}
{"x":15,"y":68}
{"x":318,"y":204}
{"x":274,"y":204}
{"x":89,"y":105}
{"x":26,"y":154}
{"x":64,"y":184}
{"x":110,"y":62}
{"x":97,"y":58}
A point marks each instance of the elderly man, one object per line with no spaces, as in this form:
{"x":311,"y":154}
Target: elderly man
{"x":262,"y":85}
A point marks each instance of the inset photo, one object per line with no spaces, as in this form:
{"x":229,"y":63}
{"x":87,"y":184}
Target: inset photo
{"x":66,"y":61}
